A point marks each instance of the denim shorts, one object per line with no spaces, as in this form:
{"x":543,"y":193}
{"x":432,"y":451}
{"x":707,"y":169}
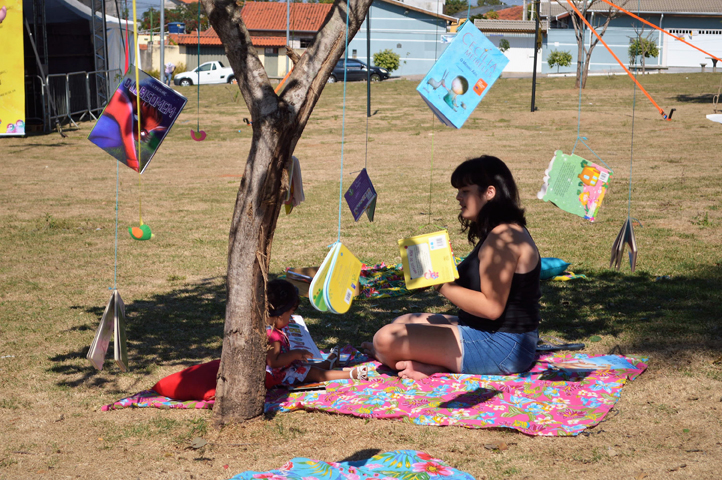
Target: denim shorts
{"x":496,"y":353}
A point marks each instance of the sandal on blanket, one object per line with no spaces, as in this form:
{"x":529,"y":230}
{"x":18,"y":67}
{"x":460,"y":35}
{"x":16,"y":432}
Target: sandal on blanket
{"x":362,"y":373}
{"x":332,"y":357}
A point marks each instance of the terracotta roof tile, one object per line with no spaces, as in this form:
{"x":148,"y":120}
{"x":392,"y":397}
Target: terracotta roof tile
{"x":513,"y":13}
{"x":271,"y":16}
{"x":210,"y":38}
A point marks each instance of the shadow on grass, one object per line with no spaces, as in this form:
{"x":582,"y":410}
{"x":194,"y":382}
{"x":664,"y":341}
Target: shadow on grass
{"x":649,"y":314}
{"x":705,"y":98}
{"x":646,"y":315}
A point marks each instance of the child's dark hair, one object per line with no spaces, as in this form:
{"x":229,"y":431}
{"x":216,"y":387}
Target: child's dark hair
{"x":282,"y":296}
{"x":488,"y":171}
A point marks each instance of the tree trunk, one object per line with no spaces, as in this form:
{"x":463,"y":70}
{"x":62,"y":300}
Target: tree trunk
{"x":277,"y":122}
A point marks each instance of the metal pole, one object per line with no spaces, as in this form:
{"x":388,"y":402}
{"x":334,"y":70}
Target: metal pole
{"x":288,"y":28}
{"x":536,"y":37}
{"x":368,"y":63}
{"x":162,"y":40}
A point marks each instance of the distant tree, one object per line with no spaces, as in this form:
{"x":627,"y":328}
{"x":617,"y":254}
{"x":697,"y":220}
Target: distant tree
{"x":453,"y":6}
{"x":187,"y":14}
{"x":488,"y":3}
{"x":387,"y":59}
{"x":504,"y":45}
{"x":642,"y":47}
{"x":560,"y":59}
{"x":585,"y":48}
{"x":492,"y":15}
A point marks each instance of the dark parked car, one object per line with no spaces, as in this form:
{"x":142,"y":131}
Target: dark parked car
{"x":357,"y":70}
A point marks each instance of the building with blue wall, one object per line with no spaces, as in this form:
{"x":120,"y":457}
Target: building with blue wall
{"x":697,"y":21}
{"x":416,"y":35}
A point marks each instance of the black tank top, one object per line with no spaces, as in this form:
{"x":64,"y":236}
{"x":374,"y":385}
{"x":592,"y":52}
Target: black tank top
{"x":521,"y":313}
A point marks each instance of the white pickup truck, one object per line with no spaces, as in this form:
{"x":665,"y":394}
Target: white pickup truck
{"x":207,"y":73}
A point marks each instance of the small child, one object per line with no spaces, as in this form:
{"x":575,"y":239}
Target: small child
{"x":285,"y":366}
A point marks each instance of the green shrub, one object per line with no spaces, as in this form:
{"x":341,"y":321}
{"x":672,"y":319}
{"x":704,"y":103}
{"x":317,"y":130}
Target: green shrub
{"x":560,"y":59}
{"x":387,"y":59}
{"x":644,"y":47}
{"x":504,"y":45}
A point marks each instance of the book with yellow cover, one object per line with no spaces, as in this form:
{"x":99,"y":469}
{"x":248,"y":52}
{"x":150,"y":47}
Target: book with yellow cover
{"x":428,"y":260}
{"x":342,"y":280}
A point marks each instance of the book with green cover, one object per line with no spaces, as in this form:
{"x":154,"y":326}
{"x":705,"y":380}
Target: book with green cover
{"x":315,"y":292}
{"x":575,"y":185}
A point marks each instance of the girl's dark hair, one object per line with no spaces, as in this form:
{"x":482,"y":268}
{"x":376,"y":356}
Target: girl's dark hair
{"x":282,"y":296}
{"x":488,"y":171}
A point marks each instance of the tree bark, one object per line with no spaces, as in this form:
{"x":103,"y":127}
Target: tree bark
{"x":278,"y":122}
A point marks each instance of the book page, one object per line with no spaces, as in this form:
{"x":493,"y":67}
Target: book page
{"x":419,"y":260}
{"x":299,"y":337}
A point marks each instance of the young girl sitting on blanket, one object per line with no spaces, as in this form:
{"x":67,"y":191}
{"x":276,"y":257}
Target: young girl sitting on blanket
{"x":497,"y":293}
{"x":285,"y":366}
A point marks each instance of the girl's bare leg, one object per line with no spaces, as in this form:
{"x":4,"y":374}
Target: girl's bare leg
{"x":320,"y":375}
{"x":419,"y":345}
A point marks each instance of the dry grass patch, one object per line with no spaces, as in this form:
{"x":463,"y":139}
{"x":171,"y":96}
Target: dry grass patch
{"x":58,"y":244}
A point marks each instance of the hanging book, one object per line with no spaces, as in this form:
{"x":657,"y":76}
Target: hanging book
{"x":342,"y":280}
{"x":116,"y":131}
{"x":315,"y":292}
{"x":111,"y":325}
{"x":575,"y":185}
{"x":428,"y":260}
{"x":461,"y":76}
{"x":625,"y":237}
{"x":361,"y":197}
{"x":336,"y":282}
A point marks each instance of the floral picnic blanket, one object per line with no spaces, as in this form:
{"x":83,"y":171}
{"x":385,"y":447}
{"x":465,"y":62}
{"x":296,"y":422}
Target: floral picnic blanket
{"x":399,"y":464}
{"x":563,"y":394}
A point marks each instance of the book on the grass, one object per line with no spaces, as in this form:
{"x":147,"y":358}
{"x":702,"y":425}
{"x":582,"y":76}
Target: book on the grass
{"x":462,"y":76}
{"x":428,"y":260}
{"x":624,"y":237}
{"x":575,"y":185}
{"x":335,"y":284}
{"x":116,"y":130}
{"x":112,"y":324}
{"x":361,"y":197}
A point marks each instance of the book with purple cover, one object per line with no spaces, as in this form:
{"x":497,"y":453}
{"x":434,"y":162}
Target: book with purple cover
{"x":116,"y":131}
{"x":361,"y":196}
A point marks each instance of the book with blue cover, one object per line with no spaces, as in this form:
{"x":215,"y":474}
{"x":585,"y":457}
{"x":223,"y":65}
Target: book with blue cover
{"x":462,"y":76}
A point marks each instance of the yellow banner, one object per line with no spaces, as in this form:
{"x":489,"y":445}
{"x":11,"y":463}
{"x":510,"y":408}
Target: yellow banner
{"x":12,"y":77}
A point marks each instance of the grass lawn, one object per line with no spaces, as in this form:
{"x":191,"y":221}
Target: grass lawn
{"x":58,"y":239}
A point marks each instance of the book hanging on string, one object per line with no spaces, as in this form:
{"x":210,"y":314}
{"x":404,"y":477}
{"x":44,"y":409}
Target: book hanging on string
{"x":361,"y":197}
{"x":575,"y":185}
{"x":112,"y":326}
{"x":428,"y":260}
{"x":462,"y":76}
{"x":334,"y":285}
{"x":624,"y":237}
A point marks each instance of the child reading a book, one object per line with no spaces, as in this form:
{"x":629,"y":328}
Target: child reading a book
{"x":285,"y":366}
{"x":497,"y":293}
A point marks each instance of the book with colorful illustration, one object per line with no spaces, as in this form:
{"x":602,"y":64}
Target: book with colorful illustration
{"x":575,"y":185}
{"x":462,"y":76}
{"x":116,"y":131}
{"x":428,"y":260}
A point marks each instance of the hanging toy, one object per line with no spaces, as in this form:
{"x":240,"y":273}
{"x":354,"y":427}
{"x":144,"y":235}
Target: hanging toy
{"x":141,"y":232}
{"x":201,"y":135}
